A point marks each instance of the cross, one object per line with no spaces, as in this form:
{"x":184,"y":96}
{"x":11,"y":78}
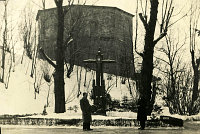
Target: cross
{"x":99,"y":89}
{"x":99,"y":66}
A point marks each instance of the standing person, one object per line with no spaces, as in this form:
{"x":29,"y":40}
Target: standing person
{"x":86,"y":112}
{"x":142,"y":113}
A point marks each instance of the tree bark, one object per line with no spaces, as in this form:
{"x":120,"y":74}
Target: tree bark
{"x":59,"y":85}
{"x":147,"y":63}
{"x":195,"y":85}
{"x":195,"y":66}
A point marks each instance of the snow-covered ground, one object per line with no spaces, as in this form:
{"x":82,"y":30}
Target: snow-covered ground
{"x":74,"y":115}
{"x":19,"y":97}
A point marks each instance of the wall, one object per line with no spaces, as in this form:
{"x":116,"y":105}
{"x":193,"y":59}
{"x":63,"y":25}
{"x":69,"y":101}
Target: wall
{"x":91,"y":27}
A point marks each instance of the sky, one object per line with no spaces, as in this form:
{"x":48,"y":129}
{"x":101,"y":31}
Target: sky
{"x":16,"y":7}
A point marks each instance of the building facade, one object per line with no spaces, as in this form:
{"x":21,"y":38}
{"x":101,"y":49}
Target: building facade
{"x":91,"y":27}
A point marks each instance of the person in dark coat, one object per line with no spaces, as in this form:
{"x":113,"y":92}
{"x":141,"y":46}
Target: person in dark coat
{"x":142,"y":113}
{"x":86,"y":112}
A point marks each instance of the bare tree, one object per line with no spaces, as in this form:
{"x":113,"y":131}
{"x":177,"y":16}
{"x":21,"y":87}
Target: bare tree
{"x":172,"y":70}
{"x":8,"y":46}
{"x":35,"y":49}
{"x":76,"y":24}
{"x":5,"y":39}
{"x":11,"y":60}
{"x":150,"y":42}
{"x":27,"y":32}
{"x":63,"y":43}
{"x":180,"y":104}
{"x":59,"y":87}
{"x":194,"y":17}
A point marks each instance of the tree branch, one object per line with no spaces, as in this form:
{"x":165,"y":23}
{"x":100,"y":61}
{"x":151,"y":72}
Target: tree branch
{"x":198,"y":62}
{"x":193,"y":59}
{"x":162,"y":60}
{"x":165,"y":72}
{"x":144,"y":22}
{"x":136,"y":32}
{"x":159,"y":38}
{"x":68,"y":41}
{"x":47,"y":58}
{"x":140,"y":54}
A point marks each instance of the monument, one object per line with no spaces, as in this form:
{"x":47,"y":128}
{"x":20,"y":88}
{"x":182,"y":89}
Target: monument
{"x":98,"y":91}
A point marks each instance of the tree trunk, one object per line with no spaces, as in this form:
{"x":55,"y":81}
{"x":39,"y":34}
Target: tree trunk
{"x":195,"y":85}
{"x":59,"y":92}
{"x":59,"y":85}
{"x":172,"y":96}
{"x":147,"y":63}
{"x":4,"y":43}
{"x":173,"y":82}
{"x":195,"y":90}
{"x":195,"y":66}
{"x":146,"y":75}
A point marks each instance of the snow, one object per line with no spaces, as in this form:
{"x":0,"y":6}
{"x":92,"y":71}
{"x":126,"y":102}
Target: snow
{"x":188,"y":118}
{"x":19,"y":97}
{"x":122,"y":114}
{"x":73,"y":115}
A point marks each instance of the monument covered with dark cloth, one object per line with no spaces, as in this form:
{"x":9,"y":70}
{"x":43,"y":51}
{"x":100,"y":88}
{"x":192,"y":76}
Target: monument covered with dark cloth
{"x":90,"y":27}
